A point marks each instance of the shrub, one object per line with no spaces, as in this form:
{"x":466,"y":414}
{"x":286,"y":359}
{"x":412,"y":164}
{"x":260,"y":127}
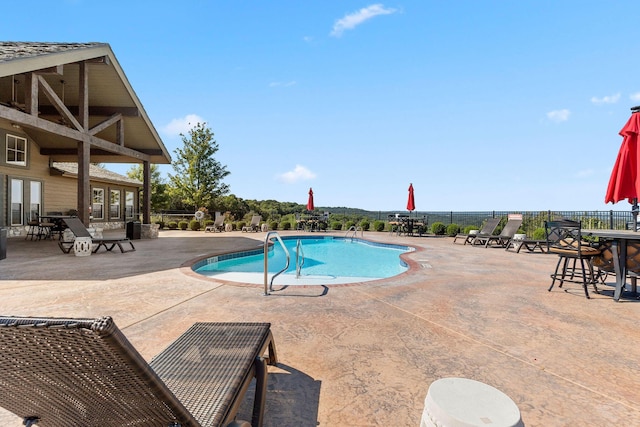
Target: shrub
{"x":172,"y":225}
{"x":336,"y":225}
{"x":349,"y":224}
{"x":323,"y":226}
{"x":208,"y":222}
{"x":378,"y":225}
{"x":182,"y":225}
{"x":452,"y":230}
{"x":273,"y":225}
{"x":160,"y":224}
{"x":285,"y":225}
{"x":238,"y":225}
{"x":365,"y":225}
{"x":539,"y":234}
{"x":194,"y":225}
{"x":468,"y":228}
{"x":438,"y":228}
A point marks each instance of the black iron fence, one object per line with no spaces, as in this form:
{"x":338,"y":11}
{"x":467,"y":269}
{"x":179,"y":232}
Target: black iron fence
{"x":532,"y":220}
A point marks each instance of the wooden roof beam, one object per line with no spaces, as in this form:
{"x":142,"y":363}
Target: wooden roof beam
{"x":29,"y":120}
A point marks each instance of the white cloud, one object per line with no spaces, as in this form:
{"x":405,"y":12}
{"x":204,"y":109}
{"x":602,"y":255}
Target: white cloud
{"x":350,"y":21}
{"x":635,"y":96}
{"x":299,"y":173}
{"x":283,"y":84}
{"x":182,"y":125}
{"x":559,"y":115}
{"x":609,"y":99}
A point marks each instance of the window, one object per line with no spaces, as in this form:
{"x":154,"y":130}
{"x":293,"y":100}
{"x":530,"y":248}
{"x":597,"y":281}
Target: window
{"x":35,"y":205}
{"x":16,"y":150}
{"x":97,"y":203}
{"x":17,"y":193}
{"x":114,"y":204}
{"x":128,"y":204}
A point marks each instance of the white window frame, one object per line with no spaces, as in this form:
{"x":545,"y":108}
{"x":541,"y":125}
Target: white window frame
{"x":114,"y":204}
{"x":35,"y":200}
{"x":13,"y":149}
{"x":129,"y":204}
{"x":97,"y":203}
{"x":17,"y":198}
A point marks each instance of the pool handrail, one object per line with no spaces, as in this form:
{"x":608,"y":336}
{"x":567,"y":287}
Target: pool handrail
{"x":355,"y":232}
{"x":266,"y":260}
{"x":299,"y":258}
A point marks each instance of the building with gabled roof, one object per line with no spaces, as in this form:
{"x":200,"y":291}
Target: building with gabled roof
{"x":64,"y":103}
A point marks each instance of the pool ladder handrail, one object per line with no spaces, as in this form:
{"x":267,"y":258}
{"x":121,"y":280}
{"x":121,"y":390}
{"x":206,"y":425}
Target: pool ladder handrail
{"x":299,"y":258}
{"x":267,"y":238}
{"x":355,"y":230}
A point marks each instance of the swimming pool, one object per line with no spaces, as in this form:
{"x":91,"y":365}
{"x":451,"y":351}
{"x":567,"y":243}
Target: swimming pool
{"x":327,"y":260}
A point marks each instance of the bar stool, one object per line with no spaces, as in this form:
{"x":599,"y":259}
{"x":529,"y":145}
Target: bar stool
{"x":34,"y":229}
{"x":564,"y":238}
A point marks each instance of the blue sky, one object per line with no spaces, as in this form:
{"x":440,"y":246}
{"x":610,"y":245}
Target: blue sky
{"x":482,"y":105}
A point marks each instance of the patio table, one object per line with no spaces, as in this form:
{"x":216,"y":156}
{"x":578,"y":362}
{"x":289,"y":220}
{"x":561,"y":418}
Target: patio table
{"x":619,"y":240}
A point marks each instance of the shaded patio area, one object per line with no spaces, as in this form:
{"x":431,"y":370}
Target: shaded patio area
{"x":364,"y":354}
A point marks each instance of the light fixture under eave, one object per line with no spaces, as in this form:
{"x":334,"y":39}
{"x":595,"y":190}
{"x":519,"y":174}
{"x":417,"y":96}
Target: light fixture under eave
{"x":16,"y":126}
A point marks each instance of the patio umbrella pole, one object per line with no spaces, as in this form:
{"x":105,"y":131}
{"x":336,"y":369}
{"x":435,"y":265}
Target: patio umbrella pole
{"x":634,"y":211}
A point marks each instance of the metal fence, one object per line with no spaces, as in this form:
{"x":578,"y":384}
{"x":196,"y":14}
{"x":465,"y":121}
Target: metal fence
{"x":531,"y":220}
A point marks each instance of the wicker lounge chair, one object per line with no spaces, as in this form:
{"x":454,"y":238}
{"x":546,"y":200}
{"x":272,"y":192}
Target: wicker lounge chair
{"x":503,"y":240}
{"x":487,"y":230}
{"x":84,"y":372}
{"x":79,"y":230}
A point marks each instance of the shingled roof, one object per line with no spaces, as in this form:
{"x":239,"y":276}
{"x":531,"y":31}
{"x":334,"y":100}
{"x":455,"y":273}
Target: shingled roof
{"x":95,"y":173}
{"x":17,"y":50}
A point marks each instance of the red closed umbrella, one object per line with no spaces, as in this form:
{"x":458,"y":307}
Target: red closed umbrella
{"x":625,"y":177}
{"x":411,"y":203}
{"x":310,"y":206}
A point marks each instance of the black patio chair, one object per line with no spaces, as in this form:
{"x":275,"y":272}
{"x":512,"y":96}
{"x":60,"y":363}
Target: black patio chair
{"x":575,"y":257}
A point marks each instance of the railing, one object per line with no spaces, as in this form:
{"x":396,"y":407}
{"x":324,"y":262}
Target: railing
{"x":354,"y":231}
{"x":266,"y":260}
{"x":532,"y":220}
{"x":299,"y":258}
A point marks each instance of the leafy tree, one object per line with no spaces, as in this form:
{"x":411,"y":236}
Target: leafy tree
{"x":159,"y":194}
{"x":198,"y":178}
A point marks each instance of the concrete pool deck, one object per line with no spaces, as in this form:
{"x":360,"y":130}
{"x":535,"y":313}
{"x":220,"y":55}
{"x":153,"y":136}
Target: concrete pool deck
{"x":364,"y":354}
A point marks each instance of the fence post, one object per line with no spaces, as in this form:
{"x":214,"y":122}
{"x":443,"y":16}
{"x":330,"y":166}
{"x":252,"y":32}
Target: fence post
{"x":611,"y":220}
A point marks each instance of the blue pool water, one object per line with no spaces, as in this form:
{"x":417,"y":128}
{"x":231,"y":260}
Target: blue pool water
{"x":327,"y":260}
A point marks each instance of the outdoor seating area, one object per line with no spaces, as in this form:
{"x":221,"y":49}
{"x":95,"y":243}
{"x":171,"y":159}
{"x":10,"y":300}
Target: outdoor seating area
{"x":407,"y":225}
{"x":376,"y":346}
{"x":312,"y":222}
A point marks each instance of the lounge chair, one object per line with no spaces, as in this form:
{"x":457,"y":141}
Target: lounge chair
{"x":255,"y":224}
{"x":79,"y":230}
{"x":84,"y":372}
{"x":503,"y":240}
{"x":487,"y":230}
{"x":218,"y":224}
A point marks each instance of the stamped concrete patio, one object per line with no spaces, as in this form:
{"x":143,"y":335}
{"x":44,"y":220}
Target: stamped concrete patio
{"x":364,"y":354}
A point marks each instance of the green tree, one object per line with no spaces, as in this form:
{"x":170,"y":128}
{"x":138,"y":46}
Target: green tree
{"x":159,"y":194}
{"x":198,"y":178}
